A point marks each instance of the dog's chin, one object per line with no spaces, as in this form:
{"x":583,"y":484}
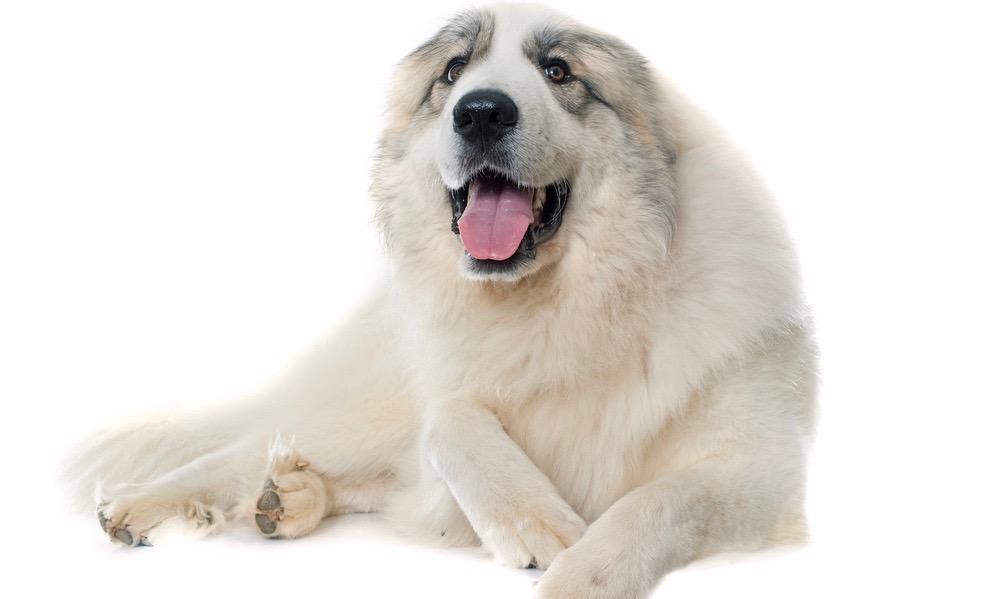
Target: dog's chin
{"x":503,"y":225}
{"x":516,"y":268}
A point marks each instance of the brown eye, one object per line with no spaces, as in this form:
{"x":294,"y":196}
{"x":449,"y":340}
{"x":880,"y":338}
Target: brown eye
{"x":557,"y":71}
{"x":455,"y":68}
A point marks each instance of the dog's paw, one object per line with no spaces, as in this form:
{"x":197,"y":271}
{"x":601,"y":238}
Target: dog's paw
{"x":575,"y":575}
{"x":533,"y":535}
{"x":291,"y":503}
{"x":135,"y":520}
{"x":118,"y":530}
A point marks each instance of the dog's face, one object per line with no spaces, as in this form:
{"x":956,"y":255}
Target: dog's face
{"x":515,"y":124}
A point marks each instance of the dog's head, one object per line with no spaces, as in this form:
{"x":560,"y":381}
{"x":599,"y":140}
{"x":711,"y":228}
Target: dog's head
{"x":517,"y":138}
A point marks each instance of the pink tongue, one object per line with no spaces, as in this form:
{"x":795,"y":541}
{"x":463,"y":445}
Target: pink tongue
{"x":495,"y":219}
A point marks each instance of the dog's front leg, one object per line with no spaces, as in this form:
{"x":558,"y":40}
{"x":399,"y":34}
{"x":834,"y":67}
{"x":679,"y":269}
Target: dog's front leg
{"x":513,"y":507}
{"x":666,"y":523}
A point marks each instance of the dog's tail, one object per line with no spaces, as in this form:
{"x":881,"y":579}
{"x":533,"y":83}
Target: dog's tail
{"x":139,"y":452}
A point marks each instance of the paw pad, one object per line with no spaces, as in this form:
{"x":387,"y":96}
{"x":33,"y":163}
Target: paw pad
{"x":269,"y":509}
{"x":120,"y":534}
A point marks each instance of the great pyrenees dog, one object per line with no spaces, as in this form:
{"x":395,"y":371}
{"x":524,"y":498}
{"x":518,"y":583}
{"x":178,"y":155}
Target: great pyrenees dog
{"x":591,"y":353}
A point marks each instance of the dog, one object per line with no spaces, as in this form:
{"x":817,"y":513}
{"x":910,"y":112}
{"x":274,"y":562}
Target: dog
{"x":591,"y":353}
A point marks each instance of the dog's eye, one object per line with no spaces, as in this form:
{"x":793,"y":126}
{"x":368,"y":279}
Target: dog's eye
{"x":557,"y":71}
{"x":454,"y":70}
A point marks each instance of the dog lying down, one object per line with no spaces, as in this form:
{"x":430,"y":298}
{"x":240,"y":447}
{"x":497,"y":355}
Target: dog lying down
{"x":591,"y":353}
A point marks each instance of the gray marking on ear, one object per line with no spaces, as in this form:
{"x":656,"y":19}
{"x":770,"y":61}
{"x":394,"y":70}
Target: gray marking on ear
{"x":467,"y":35}
{"x":549,"y":38}
{"x":471,"y":30}
{"x":593,"y":93}
{"x":427,"y":94}
{"x":579,"y":46}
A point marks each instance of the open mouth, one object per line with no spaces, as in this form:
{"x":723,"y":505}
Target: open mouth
{"x":500,"y":221}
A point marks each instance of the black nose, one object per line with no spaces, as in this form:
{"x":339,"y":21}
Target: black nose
{"x":484,"y":116}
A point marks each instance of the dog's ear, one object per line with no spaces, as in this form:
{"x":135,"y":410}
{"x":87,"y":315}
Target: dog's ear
{"x":618,"y":76}
{"x":624,"y":80}
{"x":659,"y":127}
{"x":467,"y":35}
{"x":411,"y":84}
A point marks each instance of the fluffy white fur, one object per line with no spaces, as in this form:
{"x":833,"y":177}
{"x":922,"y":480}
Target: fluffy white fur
{"x":639,"y":396}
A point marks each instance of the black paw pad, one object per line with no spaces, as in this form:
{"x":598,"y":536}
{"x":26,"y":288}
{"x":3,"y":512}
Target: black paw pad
{"x":123,"y":535}
{"x":269,"y":501}
{"x":265,"y":524}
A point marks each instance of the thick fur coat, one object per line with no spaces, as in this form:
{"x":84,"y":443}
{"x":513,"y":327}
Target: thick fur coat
{"x":634,"y":393}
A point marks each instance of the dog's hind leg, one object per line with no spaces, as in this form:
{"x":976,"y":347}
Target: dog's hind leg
{"x":345,"y":420}
{"x":197,"y":497}
{"x":283,"y":492}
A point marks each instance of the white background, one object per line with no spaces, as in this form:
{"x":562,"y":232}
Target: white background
{"x":183,"y":190}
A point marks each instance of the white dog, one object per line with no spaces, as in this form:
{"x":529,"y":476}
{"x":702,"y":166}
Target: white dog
{"x":592,"y":354}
